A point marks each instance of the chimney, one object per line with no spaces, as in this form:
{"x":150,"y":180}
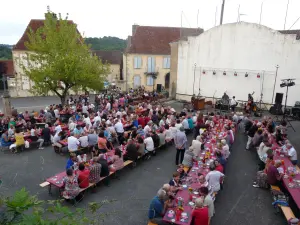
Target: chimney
{"x":134,"y":28}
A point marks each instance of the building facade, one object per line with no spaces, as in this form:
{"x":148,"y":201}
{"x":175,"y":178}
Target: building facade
{"x":115,"y":60}
{"x":238,"y":59}
{"x":147,"y":60}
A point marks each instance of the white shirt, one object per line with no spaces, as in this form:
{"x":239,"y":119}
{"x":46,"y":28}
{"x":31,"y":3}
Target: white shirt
{"x":232,"y":102}
{"x":85,"y":109}
{"x":226,"y":151}
{"x":84,"y":141}
{"x":108,"y":106}
{"x":292,"y":153}
{"x":213,"y":179}
{"x":57,"y":129}
{"x":32,"y":132}
{"x":87,"y":121}
{"x":168,"y":121}
{"x":178,"y":125}
{"x":73,"y":144}
{"x":169,"y":134}
{"x":185,"y":124}
{"x":91,"y":106}
{"x":97,"y":118}
{"x":119,"y":127}
{"x":173,"y":131}
{"x":197,"y":147}
{"x":149,"y":144}
{"x":119,"y":113}
{"x":147,"y":129}
{"x":56,"y":138}
{"x":56,"y":113}
{"x":81,"y":159}
{"x":72,"y":126}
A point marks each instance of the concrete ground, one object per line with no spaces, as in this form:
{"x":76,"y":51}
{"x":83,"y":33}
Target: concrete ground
{"x":238,"y":204}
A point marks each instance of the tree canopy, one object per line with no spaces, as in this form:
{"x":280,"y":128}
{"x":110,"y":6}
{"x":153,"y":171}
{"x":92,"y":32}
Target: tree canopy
{"x":58,"y":59}
{"x":106,"y":43}
{"x":5,"y":52}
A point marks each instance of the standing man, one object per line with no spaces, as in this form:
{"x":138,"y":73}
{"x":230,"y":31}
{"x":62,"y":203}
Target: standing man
{"x":180,"y":143}
{"x":233,"y":104}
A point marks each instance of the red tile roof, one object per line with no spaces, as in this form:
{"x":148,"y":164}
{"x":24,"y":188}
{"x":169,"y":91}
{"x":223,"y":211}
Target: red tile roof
{"x":7,"y":67}
{"x":34,"y":24}
{"x":112,"y":57}
{"x":156,"y":40}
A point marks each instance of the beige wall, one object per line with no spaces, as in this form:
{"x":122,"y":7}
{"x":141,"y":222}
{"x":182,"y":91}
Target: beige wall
{"x":114,"y":72}
{"x":129,"y":71}
{"x":173,"y":70}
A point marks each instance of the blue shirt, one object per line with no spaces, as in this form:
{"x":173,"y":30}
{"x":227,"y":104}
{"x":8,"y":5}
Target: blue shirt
{"x":141,"y":132}
{"x":180,"y":140}
{"x":156,"y":208}
{"x":76,"y":131}
{"x":70,"y":163}
{"x":135,"y":123}
{"x":191,"y":123}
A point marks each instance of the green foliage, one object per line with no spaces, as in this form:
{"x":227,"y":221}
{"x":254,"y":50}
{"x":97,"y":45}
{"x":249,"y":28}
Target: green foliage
{"x":59,"y":61}
{"x":24,"y":209}
{"x":5,"y":52}
{"x":106,"y":43}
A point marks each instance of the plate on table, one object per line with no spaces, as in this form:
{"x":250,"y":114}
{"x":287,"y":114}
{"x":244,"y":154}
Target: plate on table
{"x":196,"y":193}
{"x":184,"y":214}
{"x":184,"y":186}
{"x":191,"y":203}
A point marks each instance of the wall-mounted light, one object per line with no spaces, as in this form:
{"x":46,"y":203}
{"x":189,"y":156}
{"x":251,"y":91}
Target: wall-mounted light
{"x":214,"y":72}
{"x":203,"y":72}
{"x":246,"y":74}
{"x":224,"y":73}
{"x":235,"y":74}
{"x":258,"y":75}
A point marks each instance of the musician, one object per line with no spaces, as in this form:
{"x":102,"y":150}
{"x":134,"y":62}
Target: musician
{"x":249,"y":106}
{"x":233,"y":104}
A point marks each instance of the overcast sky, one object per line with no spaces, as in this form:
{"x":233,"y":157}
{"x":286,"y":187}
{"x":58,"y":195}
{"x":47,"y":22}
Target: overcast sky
{"x":115,"y":18}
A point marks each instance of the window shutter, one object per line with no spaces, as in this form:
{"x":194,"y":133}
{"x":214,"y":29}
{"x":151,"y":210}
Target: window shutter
{"x":169,"y":62}
{"x":165,"y":62}
{"x":140,"y":62}
{"x":149,"y":64}
{"x":135,"y":62}
{"x":153,"y":64}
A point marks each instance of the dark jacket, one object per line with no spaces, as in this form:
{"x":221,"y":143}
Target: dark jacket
{"x":104,"y":168}
{"x":131,"y":152}
{"x":155,"y":139}
{"x":252,"y":131}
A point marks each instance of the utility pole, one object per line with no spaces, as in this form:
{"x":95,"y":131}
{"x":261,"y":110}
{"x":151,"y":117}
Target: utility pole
{"x":286,"y":13}
{"x":222,"y":12}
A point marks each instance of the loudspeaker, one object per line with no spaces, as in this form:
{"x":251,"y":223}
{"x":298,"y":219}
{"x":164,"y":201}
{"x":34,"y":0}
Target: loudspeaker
{"x":278,"y":98}
{"x":158,"y":87}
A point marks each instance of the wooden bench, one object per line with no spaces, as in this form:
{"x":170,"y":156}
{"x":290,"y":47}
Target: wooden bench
{"x":287,"y":212}
{"x":44,"y":184}
{"x":150,"y":223}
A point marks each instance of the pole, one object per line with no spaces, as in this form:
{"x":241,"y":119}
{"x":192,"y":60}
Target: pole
{"x":222,"y":12}
{"x":197,"y":18}
{"x":286,"y":13}
{"x":261,"y":8}
{"x":286,"y":95}
{"x":194,"y":78}
{"x":275,"y":82}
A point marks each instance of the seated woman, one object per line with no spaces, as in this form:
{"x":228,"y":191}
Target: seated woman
{"x":5,"y":141}
{"x":19,"y":137}
{"x":71,"y":187}
{"x":117,"y":161}
{"x":200,"y":214}
{"x":188,"y":158}
{"x":81,"y":158}
{"x":261,"y":176}
{"x":181,"y":171}
{"x":34,"y":136}
{"x":132,"y":151}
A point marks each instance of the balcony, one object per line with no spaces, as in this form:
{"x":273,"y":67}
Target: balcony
{"x":152,"y":71}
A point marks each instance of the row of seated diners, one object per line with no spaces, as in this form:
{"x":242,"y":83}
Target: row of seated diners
{"x":288,"y":171}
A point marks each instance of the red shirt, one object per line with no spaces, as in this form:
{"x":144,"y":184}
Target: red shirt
{"x":83,"y":178}
{"x":200,"y":216}
{"x":141,"y":121}
{"x":147,"y":119}
{"x":220,"y":168}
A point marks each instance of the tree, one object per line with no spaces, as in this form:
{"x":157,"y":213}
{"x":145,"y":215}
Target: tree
{"x":25,"y":209}
{"x":58,"y":60}
{"x":5,"y":52}
{"x":106,"y":43}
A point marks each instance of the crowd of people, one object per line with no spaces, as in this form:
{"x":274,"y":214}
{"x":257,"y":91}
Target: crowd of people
{"x":186,"y":157}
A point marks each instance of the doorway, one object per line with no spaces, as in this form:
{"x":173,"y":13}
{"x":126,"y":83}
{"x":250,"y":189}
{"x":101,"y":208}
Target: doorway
{"x":167,"y":81}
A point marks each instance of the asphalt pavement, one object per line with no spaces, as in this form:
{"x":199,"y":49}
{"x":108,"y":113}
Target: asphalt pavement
{"x":238,"y":204}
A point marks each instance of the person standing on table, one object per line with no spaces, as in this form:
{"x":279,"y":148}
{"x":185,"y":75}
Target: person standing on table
{"x":180,"y":140}
{"x":73,"y":143}
{"x":213,"y":178}
{"x":200,"y":213}
{"x":291,"y":154}
{"x":208,"y":202}
{"x":158,"y":208}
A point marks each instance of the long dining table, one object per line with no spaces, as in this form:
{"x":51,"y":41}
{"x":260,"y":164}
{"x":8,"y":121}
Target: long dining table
{"x":191,"y":181}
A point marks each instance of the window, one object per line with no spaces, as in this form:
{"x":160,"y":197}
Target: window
{"x":166,"y":63}
{"x":137,"y":61}
{"x":149,"y":80}
{"x":151,"y":64}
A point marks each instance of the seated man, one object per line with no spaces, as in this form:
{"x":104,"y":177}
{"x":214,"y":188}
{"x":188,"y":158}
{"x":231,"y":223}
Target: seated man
{"x":158,"y":207}
{"x":83,"y":176}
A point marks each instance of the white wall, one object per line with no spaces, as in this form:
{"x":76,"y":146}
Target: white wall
{"x":240,"y":47}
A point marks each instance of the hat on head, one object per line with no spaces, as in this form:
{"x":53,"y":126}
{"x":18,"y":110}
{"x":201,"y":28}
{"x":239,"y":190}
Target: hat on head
{"x":181,"y":128}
